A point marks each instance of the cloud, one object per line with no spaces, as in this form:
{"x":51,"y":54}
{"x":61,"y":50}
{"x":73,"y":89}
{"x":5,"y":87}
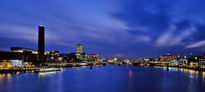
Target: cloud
{"x":141,"y":38}
{"x":120,"y":24}
{"x":30,"y":34}
{"x":175,"y":35}
{"x":196,"y":44}
{"x":18,"y":32}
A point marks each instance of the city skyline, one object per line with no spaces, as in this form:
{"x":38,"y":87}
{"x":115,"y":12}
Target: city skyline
{"x":128,"y":29}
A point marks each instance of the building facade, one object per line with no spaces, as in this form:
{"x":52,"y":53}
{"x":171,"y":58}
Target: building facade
{"x":79,"y":49}
{"x":169,"y":57}
{"x":93,"y":57}
{"x":22,"y":50}
{"x":41,"y":45}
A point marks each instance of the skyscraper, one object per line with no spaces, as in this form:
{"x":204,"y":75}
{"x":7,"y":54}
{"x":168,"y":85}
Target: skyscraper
{"x":41,"y":44}
{"x":80,"y":55}
{"x":79,"y":49}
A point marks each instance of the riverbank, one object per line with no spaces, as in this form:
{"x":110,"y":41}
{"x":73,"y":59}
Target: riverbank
{"x":57,"y":67}
{"x":169,"y":65}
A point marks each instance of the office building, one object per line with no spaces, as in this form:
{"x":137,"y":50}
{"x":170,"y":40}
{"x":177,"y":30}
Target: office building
{"x":79,"y":49}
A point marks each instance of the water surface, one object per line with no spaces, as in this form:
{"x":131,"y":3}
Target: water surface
{"x":111,"y":78}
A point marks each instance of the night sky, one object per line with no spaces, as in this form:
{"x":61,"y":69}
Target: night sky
{"x":111,"y":28}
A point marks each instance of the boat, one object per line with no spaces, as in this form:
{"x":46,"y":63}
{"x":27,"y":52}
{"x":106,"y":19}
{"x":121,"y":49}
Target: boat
{"x":48,"y":69}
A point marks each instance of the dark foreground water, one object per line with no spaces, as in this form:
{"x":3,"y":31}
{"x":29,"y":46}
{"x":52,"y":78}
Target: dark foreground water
{"x":111,"y":78}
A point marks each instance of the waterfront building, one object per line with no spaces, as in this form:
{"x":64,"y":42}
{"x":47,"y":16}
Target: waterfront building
{"x":146,"y":60}
{"x":16,"y":62}
{"x":24,"y":56}
{"x":66,"y":58}
{"x":196,"y":61}
{"x":80,"y":55}
{"x":24,"y":50}
{"x":202,"y":62}
{"x":102,"y":60}
{"x":54,"y":56}
{"x":184,"y":60}
{"x":92,"y":57}
{"x":175,"y":62}
{"x":169,"y":57}
{"x":140,"y":60}
{"x":5,"y":64}
{"x":156,"y":59}
{"x":115,"y":60}
{"x":54,"y":53}
{"x":110,"y":61}
{"x":126,"y":61}
{"x":204,"y":56}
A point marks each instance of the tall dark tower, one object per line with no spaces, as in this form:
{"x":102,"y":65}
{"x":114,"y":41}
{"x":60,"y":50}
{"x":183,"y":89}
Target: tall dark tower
{"x":41,"y":44}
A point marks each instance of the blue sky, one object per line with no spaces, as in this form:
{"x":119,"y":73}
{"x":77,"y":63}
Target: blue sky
{"x":111,"y":28}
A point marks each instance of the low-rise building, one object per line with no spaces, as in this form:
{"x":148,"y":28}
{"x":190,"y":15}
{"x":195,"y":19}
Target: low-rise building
{"x":204,"y":56}
{"x":22,"y":50}
{"x":92,"y":57}
{"x":169,"y":57}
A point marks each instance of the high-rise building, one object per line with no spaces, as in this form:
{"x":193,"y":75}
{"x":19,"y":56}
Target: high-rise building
{"x":41,"y":40}
{"x":41,"y":44}
{"x":79,"y":49}
{"x":80,"y":55}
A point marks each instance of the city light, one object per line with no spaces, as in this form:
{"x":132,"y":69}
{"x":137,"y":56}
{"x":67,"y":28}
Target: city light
{"x":102,"y":46}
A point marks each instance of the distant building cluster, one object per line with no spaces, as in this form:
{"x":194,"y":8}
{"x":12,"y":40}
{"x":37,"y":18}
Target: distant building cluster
{"x":19,"y":56}
{"x":163,"y":60}
{"x":25,"y":57}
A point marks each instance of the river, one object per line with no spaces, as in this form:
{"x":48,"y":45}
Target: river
{"x":111,"y":78}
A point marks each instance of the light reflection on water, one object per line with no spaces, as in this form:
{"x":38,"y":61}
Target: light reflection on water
{"x":130,"y":74}
{"x":5,"y":77}
{"x":46,"y":73}
{"x":191,"y":73}
{"x":124,"y":78}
